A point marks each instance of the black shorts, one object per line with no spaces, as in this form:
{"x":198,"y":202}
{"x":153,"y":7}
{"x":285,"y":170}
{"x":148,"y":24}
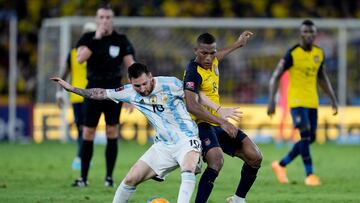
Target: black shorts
{"x":214,"y":136}
{"x":94,"y":108}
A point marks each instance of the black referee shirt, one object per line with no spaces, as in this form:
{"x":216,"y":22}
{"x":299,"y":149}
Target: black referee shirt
{"x":104,"y":65}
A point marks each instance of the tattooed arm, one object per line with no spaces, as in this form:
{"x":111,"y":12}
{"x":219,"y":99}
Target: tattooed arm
{"x":94,"y":93}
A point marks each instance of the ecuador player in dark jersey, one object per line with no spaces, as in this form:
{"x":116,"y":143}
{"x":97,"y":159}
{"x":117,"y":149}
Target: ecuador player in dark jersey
{"x":216,"y":133}
{"x":305,"y":63}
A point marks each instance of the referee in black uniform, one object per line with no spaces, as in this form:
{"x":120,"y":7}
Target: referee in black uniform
{"x":104,"y":50}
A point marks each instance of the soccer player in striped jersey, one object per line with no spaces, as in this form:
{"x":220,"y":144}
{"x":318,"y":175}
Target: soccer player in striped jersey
{"x":305,"y":63}
{"x":177,"y":143}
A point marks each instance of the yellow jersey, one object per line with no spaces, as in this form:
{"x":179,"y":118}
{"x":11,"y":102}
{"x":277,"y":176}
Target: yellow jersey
{"x":197,"y":78}
{"x":303,"y":69}
{"x":78,"y":75}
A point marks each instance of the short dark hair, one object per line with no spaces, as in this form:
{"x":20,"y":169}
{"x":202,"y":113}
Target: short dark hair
{"x":137,"y":69}
{"x":308,"y":22}
{"x":105,"y":5}
{"x":206,"y":38}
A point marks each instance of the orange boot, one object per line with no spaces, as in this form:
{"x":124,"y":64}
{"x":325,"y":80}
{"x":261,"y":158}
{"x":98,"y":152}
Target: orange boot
{"x":280,"y":172}
{"x":312,"y":180}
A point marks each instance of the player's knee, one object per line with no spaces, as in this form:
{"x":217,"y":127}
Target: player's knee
{"x":255,"y":160}
{"x":111,"y":131}
{"x":216,"y":163}
{"x":131,"y":180}
{"x":89,"y":133}
{"x":304,"y":127}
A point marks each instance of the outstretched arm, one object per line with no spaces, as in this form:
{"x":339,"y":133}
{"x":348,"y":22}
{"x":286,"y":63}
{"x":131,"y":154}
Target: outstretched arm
{"x":274,"y":85}
{"x":64,"y":73}
{"x":94,"y":93}
{"x":224,"y":112}
{"x":325,"y":84}
{"x":240,"y":42}
{"x":195,"y":108}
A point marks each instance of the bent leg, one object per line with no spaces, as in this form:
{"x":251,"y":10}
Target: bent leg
{"x":252,"y":157}
{"x":138,"y":173}
{"x":188,"y":179}
{"x":215,"y":160}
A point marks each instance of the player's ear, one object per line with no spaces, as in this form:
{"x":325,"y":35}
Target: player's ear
{"x":195,"y":50}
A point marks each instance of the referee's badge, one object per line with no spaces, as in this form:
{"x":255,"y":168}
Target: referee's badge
{"x":114,"y":51}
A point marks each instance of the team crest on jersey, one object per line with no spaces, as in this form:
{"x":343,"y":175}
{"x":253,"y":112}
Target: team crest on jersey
{"x":119,"y":89}
{"x":114,"y":51}
{"x":316,"y":59}
{"x":153,"y":99}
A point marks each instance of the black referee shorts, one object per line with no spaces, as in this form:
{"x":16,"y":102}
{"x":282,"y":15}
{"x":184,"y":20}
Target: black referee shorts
{"x":94,"y":108}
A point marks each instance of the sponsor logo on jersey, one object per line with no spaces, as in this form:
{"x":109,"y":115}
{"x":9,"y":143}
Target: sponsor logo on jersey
{"x":114,"y":51}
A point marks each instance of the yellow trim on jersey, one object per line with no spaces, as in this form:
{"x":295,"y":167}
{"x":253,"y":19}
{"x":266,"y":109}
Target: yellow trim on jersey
{"x":303,"y":77}
{"x":210,"y":85}
{"x":78,"y":76}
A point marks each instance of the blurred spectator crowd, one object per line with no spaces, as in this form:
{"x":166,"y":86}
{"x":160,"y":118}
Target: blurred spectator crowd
{"x":31,"y":13}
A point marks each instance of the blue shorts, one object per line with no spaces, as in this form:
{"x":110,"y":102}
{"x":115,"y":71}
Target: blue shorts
{"x":304,"y":118}
{"x":214,"y":136}
{"x":78,"y":109}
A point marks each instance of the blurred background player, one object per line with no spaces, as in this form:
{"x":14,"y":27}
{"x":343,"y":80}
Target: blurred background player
{"x":217,"y":135}
{"x":177,"y":143}
{"x":305,"y":63}
{"x":104,"y":50}
{"x":77,"y":73}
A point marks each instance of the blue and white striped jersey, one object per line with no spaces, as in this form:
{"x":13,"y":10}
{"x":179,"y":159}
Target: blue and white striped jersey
{"x":164,"y":108}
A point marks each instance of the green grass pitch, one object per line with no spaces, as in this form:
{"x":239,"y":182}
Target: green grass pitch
{"x":41,"y":173}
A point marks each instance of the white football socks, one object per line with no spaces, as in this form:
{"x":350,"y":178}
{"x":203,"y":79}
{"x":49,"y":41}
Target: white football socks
{"x":123,"y":193}
{"x":187,"y":186}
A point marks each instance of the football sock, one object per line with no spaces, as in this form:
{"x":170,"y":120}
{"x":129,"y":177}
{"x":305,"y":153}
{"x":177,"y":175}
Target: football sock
{"x":295,"y":151}
{"x":248,"y":176}
{"x":123,"y":193}
{"x":79,"y":140}
{"x":111,"y":154}
{"x":86,"y":155}
{"x":187,"y":186}
{"x":206,"y":185}
{"x":305,"y":152}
